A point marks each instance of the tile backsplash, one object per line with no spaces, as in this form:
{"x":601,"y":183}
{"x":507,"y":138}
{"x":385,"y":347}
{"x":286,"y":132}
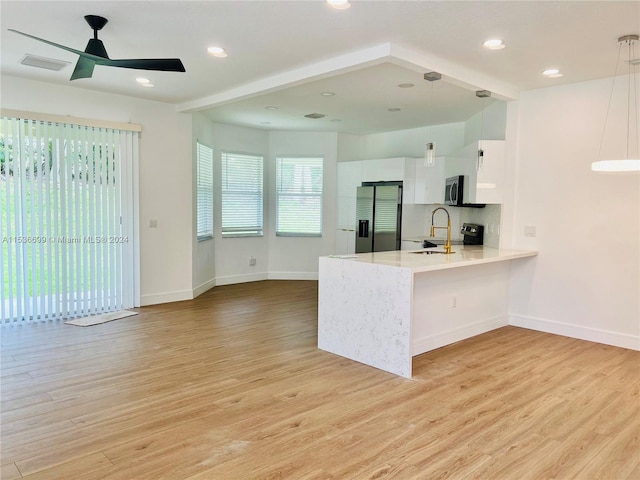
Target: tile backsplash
{"x":416,"y":221}
{"x":489,"y":216}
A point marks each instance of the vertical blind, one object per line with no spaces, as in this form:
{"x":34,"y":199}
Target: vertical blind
{"x":299,"y":196}
{"x":242,"y":194}
{"x":204,"y":191}
{"x":66,"y":199}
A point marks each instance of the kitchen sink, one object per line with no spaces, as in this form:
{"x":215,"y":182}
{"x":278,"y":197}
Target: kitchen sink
{"x":431,"y":252}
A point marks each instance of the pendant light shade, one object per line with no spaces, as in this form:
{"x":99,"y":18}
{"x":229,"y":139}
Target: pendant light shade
{"x":430,"y":147}
{"x":481,"y":94}
{"x":430,"y":154}
{"x":631,"y":160}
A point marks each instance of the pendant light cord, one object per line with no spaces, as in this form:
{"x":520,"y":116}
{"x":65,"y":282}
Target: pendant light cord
{"x":629,"y":98}
{"x":481,"y":121}
{"x":430,"y":113}
{"x":606,"y":118}
{"x":632,"y":54}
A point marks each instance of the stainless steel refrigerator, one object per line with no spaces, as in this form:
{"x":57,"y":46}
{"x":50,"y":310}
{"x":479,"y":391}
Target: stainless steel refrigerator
{"x":378,"y":217}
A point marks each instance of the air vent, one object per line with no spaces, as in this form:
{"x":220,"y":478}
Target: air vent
{"x":315,"y":115}
{"x":43,"y":62}
{"x":635,"y":61}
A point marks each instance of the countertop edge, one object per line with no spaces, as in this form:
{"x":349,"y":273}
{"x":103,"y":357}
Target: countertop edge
{"x":442,"y":260}
{"x":467,"y":263}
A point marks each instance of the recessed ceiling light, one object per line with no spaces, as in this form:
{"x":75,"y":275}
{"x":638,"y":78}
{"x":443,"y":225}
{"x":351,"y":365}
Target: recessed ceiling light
{"x":552,"y":73}
{"x":147,"y":85}
{"x":336,"y":120}
{"x":265,"y":123}
{"x":327,"y":94}
{"x":406,"y":85}
{"x":271,"y":107}
{"x":217,"y":52}
{"x":339,"y":4}
{"x":494,"y":44}
{"x":142,"y":80}
{"x":394,"y":109}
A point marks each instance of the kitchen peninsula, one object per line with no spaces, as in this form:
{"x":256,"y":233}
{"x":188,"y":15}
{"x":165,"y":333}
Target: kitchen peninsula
{"x":384,"y":308}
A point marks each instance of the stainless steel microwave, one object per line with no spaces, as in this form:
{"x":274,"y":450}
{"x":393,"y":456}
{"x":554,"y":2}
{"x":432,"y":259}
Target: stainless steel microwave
{"x":454,"y":191}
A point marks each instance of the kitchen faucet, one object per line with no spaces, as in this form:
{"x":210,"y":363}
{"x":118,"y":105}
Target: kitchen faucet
{"x":447,"y":246}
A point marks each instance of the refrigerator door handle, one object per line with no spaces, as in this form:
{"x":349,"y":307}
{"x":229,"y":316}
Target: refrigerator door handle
{"x":363,"y":228}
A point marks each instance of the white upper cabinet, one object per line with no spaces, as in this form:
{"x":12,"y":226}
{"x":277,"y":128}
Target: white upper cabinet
{"x":484,"y":176}
{"x":349,"y":179}
{"x":424,"y":184}
{"x":383,"y":170}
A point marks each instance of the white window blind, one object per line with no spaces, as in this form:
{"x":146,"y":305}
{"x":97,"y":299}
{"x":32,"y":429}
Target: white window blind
{"x":299,"y":196}
{"x":204,"y":191}
{"x":66,"y":218}
{"x":242,"y":194}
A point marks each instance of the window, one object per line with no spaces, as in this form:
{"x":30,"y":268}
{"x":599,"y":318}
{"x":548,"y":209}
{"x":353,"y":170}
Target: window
{"x":204,"y":202}
{"x":68,"y":222}
{"x":242,"y":199}
{"x":299,"y":196}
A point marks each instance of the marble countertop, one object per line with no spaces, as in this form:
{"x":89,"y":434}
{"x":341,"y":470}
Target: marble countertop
{"x":464,"y":255}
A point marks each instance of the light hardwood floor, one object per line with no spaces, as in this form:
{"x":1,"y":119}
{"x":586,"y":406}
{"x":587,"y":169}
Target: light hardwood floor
{"x":231,"y":386}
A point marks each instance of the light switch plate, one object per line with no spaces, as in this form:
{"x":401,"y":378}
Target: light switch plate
{"x":529,"y":231}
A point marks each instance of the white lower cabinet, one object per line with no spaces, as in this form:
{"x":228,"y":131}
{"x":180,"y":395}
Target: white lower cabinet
{"x":345,"y":241}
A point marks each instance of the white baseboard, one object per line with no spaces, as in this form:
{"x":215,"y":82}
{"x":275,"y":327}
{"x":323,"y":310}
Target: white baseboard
{"x":206,"y":286}
{"x":293,"y":275}
{"x":166,"y":297}
{"x":180,"y":296}
{"x":431,"y":342}
{"x":231,"y":279}
{"x":576,"y":331}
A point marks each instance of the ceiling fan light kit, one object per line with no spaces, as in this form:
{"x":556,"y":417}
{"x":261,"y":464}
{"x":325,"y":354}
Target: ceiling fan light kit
{"x":96,"y":54}
{"x":627,"y":164}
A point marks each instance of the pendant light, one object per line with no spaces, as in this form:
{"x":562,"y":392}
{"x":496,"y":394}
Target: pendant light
{"x":630,"y":163}
{"x":481,"y":94}
{"x":430,"y":147}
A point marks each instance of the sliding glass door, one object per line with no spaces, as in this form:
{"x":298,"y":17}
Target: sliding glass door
{"x":66,"y":195}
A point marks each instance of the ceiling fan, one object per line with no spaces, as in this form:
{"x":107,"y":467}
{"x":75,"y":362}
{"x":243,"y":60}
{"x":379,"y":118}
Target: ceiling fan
{"x":96,"y":54}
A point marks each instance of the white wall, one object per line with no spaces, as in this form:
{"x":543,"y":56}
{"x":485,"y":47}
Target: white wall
{"x":411,"y":143}
{"x":585,"y":282}
{"x":222,"y":261}
{"x":165,"y":174}
{"x":203,"y":261}
{"x":489,"y":124}
{"x":297,"y":257}
{"x":232,"y":254}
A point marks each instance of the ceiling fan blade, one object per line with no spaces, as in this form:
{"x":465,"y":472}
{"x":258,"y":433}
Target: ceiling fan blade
{"x":163,"y":64}
{"x":68,"y":49}
{"x":84,"y":68}
{"x":96,"y":54}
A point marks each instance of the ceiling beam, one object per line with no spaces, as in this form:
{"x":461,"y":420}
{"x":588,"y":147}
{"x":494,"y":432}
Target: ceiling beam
{"x":385,"y":52}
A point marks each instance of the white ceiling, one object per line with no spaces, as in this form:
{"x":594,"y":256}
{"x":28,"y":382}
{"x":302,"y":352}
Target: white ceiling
{"x":285,"y":53}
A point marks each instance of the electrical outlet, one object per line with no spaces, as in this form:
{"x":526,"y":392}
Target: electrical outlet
{"x":252,"y":261}
{"x":529,"y":231}
{"x":153,"y":223}
{"x":454,"y":302}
